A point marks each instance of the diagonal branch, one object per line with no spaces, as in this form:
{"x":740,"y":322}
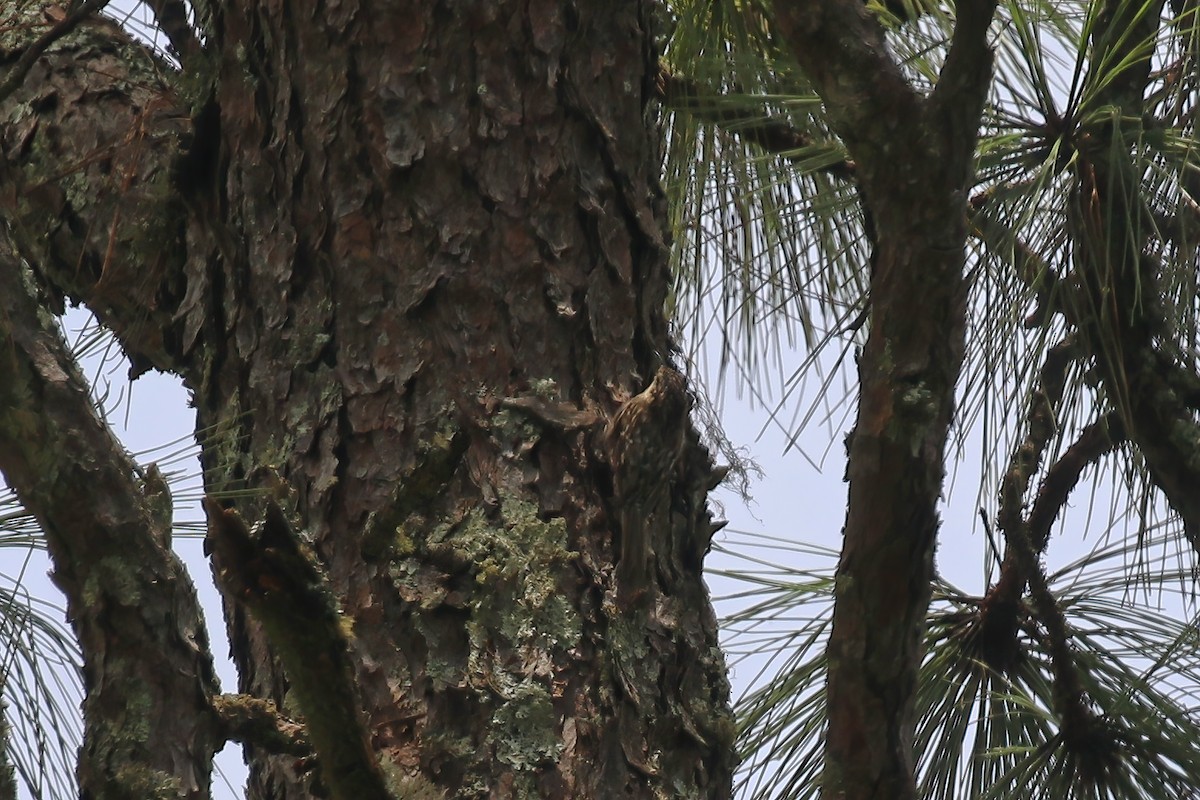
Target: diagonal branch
{"x":109,"y":538}
{"x":774,"y":136}
{"x":1041,"y":426}
{"x":1082,"y":731}
{"x":31,"y":52}
{"x":92,"y":113}
{"x":1094,"y":442}
{"x":276,"y":575}
{"x":998,"y":622}
{"x":963,"y":83}
{"x":172,"y":18}
{"x":1029,"y":265}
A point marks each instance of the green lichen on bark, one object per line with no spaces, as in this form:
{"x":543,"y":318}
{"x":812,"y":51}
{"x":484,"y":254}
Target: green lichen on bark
{"x":113,"y":580}
{"x":526,"y":728}
{"x":409,"y":787}
{"x":519,"y":560}
{"x":130,"y":779}
{"x":520,"y":625}
{"x":519,"y":564}
{"x":508,"y":426}
{"x":139,"y":783}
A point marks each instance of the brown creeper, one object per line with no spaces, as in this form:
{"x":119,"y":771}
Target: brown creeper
{"x":643,"y":442}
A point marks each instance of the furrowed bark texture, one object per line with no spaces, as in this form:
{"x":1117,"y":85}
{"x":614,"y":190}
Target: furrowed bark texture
{"x":913,"y":156}
{"x":355,"y":231}
{"x":433,"y":207}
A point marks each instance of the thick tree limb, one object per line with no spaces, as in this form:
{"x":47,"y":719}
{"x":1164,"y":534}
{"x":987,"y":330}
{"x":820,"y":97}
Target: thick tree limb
{"x":1119,"y":281}
{"x":278,"y":579}
{"x":63,"y":23}
{"x":965,"y":77}
{"x":172,"y":18}
{"x":251,"y":719}
{"x":841,"y":48}
{"x":130,"y":600}
{"x":87,"y":146}
{"x":914,"y":157}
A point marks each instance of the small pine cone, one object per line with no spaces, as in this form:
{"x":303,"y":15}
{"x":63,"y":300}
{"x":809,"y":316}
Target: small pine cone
{"x":643,"y":441}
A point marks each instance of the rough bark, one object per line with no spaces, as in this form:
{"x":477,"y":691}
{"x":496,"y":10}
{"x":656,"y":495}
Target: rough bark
{"x":377,"y":224}
{"x":913,"y":157}
{"x":90,"y":137}
{"x":1121,"y":306}
{"x":148,"y":676}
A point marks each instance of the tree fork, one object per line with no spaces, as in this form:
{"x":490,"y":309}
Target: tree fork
{"x":908,"y":367}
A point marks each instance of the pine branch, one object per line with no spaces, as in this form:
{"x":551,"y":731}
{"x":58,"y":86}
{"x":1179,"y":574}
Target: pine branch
{"x":258,"y":722}
{"x":1095,"y":441}
{"x":276,"y":575}
{"x":998,"y":621}
{"x":1082,"y":732}
{"x":106,"y":532}
{"x":1041,"y":425}
{"x":1029,"y":266}
{"x":1119,"y":278}
{"x":97,"y":114}
{"x":774,"y":136}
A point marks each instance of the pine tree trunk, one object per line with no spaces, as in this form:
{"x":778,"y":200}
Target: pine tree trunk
{"x":422,"y":261}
